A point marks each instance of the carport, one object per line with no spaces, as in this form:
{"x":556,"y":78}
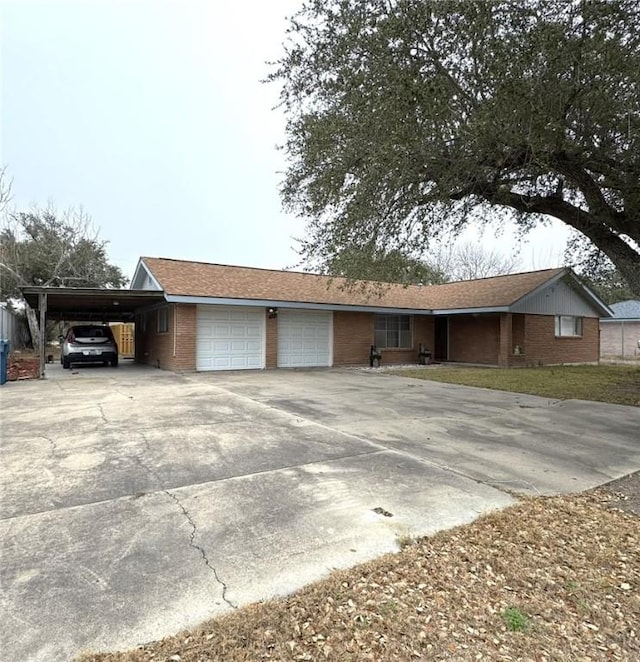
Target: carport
{"x":86,"y":304}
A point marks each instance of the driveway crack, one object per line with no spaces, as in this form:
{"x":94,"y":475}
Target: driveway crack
{"x":52,"y":443}
{"x":194,"y":529}
{"x":199,"y":548}
{"x":147,"y":446}
{"x":104,"y":417}
{"x":150,"y":470}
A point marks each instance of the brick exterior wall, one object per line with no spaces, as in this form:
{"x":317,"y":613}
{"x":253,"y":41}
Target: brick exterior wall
{"x":512,"y":336}
{"x":491,"y":339}
{"x":474,"y":339}
{"x":485,"y":339}
{"x":517,"y":331}
{"x":354,"y":333}
{"x":505,"y":339}
{"x":541,"y":347}
{"x":423,"y":331}
{"x":157,"y":349}
{"x":613,"y":335}
{"x":352,"y":338}
{"x":513,"y":359}
{"x":271,"y":356}
{"x":185,"y":359}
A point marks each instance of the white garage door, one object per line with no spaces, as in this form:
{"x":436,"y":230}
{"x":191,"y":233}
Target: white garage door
{"x":304,"y":339}
{"x":229,"y":338}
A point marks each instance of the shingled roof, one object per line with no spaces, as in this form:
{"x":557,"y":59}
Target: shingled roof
{"x":201,"y":279}
{"x":626,"y":309}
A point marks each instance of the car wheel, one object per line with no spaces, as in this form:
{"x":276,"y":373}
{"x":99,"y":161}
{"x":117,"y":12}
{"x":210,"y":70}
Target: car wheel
{"x":114,"y":362}
{"x":66,"y":364}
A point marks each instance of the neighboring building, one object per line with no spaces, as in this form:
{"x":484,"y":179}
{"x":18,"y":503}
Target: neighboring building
{"x":9,"y":326}
{"x":620,"y":334}
{"x":218,"y":317}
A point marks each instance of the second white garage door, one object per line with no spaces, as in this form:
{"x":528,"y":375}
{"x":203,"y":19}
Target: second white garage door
{"x":304,"y":339}
{"x":229,"y":338}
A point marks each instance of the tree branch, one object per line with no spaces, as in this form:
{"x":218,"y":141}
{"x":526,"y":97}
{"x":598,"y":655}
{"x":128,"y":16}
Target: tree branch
{"x":590,"y":225}
{"x":15,"y":274}
{"x":593,"y":195}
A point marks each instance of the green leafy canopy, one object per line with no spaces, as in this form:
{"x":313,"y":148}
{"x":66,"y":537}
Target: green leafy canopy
{"x":408,"y":118}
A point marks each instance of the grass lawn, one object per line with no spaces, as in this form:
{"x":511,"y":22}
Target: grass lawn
{"x":551,"y":578}
{"x":606,"y":383}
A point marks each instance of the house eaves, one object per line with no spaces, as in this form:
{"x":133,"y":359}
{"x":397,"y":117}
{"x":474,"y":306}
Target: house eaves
{"x":471,"y":311}
{"x":276,"y":303}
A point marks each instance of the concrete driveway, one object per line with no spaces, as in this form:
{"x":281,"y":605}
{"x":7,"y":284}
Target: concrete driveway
{"x":136,"y":502}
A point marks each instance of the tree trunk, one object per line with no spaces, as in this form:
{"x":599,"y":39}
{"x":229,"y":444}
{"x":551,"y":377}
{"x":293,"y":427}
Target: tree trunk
{"x":629,"y":267}
{"x":623,"y":256}
{"x":34,"y":328}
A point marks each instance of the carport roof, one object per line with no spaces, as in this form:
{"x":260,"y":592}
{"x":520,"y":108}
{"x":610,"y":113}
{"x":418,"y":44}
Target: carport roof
{"x":76,"y":303}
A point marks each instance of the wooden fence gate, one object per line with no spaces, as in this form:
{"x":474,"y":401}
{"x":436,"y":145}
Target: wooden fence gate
{"x":125,"y":338}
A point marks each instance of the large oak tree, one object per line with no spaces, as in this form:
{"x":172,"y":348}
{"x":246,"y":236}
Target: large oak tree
{"x":408,"y":118}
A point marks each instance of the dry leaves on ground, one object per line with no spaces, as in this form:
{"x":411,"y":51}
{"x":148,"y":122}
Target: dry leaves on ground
{"x":547,"y":579}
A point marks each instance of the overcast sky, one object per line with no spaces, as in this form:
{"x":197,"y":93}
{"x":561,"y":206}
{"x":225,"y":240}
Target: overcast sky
{"x":150,"y":115}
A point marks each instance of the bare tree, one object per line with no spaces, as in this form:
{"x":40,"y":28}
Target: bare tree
{"x":5,"y":188}
{"x":469,"y":260}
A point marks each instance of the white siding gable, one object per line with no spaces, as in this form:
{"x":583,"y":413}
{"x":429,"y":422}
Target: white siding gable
{"x":143,"y":280}
{"x":557,"y":298}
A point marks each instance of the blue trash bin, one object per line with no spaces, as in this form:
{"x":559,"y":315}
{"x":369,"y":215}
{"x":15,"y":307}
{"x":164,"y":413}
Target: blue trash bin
{"x":4,"y":360}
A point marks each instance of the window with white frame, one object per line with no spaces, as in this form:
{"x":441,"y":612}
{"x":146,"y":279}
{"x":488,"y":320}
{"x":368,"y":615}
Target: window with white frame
{"x":568,"y":326}
{"x":393,"y":331}
{"x":163,"y":320}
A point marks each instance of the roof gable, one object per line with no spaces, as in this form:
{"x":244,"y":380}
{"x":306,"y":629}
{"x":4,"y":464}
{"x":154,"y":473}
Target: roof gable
{"x":562,"y":295}
{"x":203,"y":280}
{"x":143,"y":279}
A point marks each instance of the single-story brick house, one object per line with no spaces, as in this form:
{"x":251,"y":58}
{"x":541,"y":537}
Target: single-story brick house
{"x":219,"y":317}
{"x":620,"y":334}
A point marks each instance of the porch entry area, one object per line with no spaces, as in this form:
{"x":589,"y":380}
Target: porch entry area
{"x":480,"y":338}
{"x":441,"y":339}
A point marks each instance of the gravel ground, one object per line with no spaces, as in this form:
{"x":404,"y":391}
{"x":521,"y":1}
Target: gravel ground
{"x":626,"y":492}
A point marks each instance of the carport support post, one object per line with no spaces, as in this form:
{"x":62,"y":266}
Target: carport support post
{"x":42,"y":305}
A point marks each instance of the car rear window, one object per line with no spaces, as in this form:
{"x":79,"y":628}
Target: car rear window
{"x":92,"y":332}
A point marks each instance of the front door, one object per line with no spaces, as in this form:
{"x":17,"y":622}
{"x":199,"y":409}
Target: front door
{"x":441,"y":349}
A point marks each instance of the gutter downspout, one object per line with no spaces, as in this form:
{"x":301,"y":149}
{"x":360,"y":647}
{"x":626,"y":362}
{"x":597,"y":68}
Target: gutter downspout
{"x":175,"y":329}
